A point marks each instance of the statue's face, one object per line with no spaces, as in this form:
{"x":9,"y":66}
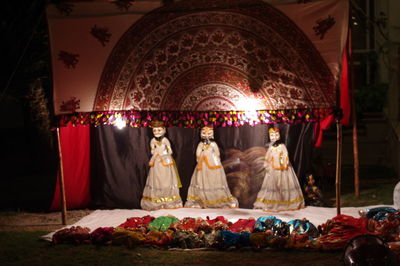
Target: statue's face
{"x":206,"y":133}
{"x":158,"y":131}
{"x":311,"y":179}
{"x":274,"y":136}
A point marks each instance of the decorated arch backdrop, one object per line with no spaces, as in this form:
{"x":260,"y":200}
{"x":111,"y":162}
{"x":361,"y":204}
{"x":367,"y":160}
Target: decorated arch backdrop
{"x":230,"y":63}
{"x":196,"y":55}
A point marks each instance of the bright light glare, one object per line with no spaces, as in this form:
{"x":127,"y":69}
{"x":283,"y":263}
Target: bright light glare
{"x":120,"y":123}
{"x":250,"y":106}
{"x":252,"y":115}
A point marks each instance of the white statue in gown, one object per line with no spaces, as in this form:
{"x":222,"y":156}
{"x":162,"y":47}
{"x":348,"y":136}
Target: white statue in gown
{"x":396,"y":196}
{"x":208,"y":187}
{"x":280,"y":189}
{"x":163,"y":183}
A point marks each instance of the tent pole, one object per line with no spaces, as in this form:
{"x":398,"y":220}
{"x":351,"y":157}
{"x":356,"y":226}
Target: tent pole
{"x":355,"y":147}
{"x":356,"y":158}
{"x":355,"y":134}
{"x":338,"y":162}
{"x":62,"y":188}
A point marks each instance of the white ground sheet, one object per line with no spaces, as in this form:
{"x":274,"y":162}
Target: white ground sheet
{"x":106,"y":218}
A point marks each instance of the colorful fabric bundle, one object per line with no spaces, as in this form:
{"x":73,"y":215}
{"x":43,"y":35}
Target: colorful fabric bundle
{"x":395,"y":247}
{"x":243,"y":225}
{"x":230,"y":238}
{"x":213,"y":239}
{"x":388,"y":228}
{"x":276,"y":241}
{"x":188,"y":240}
{"x":102,"y":235}
{"x":159,"y":238}
{"x":303,"y":226}
{"x":162,"y":223}
{"x":378,"y":214}
{"x":217,"y":219}
{"x":337,"y":231}
{"x":128,"y":238}
{"x":268,"y":239}
{"x":297,"y":240}
{"x":271,"y":224}
{"x":72,"y":235}
{"x":263,"y":232}
{"x":219,"y":223}
{"x":260,"y":240}
{"x":266,"y":223}
{"x":191,"y":225}
{"x":137,"y":223}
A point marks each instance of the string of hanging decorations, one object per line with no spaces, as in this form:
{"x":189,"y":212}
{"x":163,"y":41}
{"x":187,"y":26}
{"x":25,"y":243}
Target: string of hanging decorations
{"x":194,"y":119}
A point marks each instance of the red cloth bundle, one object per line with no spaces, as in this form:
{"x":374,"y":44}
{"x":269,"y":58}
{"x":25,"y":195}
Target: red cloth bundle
{"x":72,"y":235}
{"x":102,"y":235}
{"x":137,"y":223}
{"x":191,"y":225}
{"x":216,"y":220}
{"x":219,"y":223}
{"x":243,"y":225}
{"x":336,"y":232}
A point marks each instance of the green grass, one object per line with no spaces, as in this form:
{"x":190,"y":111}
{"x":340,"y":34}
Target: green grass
{"x":380,"y":195}
{"x":24,"y":248}
{"x":376,"y":187}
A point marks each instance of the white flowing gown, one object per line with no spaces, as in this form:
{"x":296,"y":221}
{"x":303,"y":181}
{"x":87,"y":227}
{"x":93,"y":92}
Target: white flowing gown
{"x":280,"y":190}
{"x":162,"y":185}
{"x":208,"y":186}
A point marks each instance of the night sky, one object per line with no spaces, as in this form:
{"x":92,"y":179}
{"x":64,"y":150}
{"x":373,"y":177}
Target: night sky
{"x":28,"y":158}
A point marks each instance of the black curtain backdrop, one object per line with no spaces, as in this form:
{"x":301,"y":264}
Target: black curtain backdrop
{"x":120,"y":159}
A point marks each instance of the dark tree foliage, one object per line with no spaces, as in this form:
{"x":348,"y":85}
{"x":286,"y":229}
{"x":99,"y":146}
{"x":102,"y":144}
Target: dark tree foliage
{"x":25,"y":46}
{"x":28,"y":155}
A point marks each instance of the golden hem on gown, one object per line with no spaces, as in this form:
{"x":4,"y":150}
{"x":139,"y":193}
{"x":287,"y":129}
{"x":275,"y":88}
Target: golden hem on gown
{"x":208,"y":186}
{"x":162,"y":184}
{"x":280,"y":190}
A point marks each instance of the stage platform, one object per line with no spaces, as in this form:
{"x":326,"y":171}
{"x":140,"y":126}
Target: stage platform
{"x":115,"y":217}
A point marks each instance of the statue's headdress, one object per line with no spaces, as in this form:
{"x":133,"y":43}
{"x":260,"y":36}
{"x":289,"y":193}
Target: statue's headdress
{"x":207,"y":128}
{"x":274,"y":129}
{"x":157,"y":123}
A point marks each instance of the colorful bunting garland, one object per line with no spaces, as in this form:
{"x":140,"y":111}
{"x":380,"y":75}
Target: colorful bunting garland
{"x":194,"y":119}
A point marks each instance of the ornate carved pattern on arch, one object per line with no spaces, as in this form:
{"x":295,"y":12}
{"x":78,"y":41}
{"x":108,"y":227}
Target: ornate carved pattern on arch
{"x":166,"y":59}
{"x":208,"y":96}
{"x":195,"y":90}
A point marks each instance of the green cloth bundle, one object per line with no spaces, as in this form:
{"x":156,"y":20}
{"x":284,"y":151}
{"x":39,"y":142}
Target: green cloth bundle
{"x":162,"y":223}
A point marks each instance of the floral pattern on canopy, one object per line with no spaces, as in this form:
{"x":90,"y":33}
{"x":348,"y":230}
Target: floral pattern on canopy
{"x":215,"y":55}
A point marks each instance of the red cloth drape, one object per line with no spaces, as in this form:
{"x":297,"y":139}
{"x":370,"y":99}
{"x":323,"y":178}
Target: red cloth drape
{"x":320,"y":127}
{"x":345,"y":103}
{"x":75,"y":148}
